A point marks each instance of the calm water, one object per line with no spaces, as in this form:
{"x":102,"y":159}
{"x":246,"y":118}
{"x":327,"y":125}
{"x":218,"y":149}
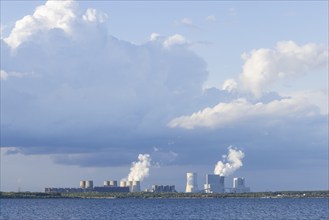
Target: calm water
{"x":229,"y":208}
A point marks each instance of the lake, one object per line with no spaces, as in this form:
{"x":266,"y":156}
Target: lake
{"x":228,"y":208}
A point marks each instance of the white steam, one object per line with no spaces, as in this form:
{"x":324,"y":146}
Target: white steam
{"x":230,"y":163}
{"x":140,"y":169}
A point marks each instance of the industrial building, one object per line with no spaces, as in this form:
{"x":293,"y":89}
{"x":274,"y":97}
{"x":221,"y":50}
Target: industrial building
{"x":134,"y":186}
{"x":110,"y":183}
{"x":88,"y":186}
{"x":110,"y":189}
{"x":191,"y":183}
{"x":214,"y":184}
{"x":163,"y":188}
{"x":239,"y":185}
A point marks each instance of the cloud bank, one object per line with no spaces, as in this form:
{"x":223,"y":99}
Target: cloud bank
{"x":90,"y":91}
{"x":71,"y":89}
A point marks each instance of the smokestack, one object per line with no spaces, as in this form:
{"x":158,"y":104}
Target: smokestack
{"x":113,"y":183}
{"x":82,"y":184}
{"x":89,"y":184}
{"x":130,"y":185}
{"x":230,"y":163}
{"x":122,"y":183}
{"x":106,"y":183}
{"x":191,"y":183}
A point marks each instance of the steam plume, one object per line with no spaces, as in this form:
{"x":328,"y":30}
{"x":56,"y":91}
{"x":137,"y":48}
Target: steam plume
{"x":140,"y":169}
{"x":230,"y":162}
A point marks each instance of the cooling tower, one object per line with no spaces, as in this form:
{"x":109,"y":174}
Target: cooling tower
{"x":130,"y":185}
{"x":113,"y":183}
{"x":191,"y":183}
{"x":106,"y":183}
{"x":89,"y":184}
{"x":122,"y":183}
{"x":82,"y":184}
{"x":136,"y":186}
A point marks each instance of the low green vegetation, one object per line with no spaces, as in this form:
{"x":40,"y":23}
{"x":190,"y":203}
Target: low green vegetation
{"x":149,"y":195}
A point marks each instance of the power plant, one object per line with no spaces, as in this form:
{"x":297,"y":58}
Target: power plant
{"x":162,"y":188}
{"x":134,"y":186}
{"x":88,"y":186}
{"x":111,"y":183}
{"x":214,"y":184}
{"x":191,"y":183}
{"x":82,"y":184}
{"x":108,"y":186}
{"x":239,"y":185}
{"x":122,"y":183}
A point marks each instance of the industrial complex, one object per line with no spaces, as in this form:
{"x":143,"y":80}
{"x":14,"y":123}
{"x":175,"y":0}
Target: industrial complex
{"x":108,"y":186}
{"x":214,"y":184}
{"x":162,"y":188}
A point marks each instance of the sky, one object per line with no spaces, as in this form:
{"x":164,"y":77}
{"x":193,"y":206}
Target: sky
{"x":87,"y":86}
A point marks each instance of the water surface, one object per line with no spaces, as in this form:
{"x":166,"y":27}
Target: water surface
{"x":228,"y":208}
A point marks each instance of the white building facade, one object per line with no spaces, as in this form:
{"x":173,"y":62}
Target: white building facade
{"x":239,"y":185}
{"x":191,"y":183}
{"x":214,"y":184}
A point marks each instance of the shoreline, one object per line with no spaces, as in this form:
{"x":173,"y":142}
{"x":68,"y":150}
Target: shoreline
{"x":178,"y":195}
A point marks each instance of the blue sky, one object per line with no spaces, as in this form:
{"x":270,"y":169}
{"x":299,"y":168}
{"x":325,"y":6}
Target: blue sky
{"x":84,"y":91}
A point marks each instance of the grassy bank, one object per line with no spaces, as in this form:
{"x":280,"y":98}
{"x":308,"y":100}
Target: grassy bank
{"x":148,"y":195}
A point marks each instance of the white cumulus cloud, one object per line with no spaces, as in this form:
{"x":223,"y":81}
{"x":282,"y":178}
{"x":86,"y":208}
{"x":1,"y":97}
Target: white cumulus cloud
{"x":106,"y":99}
{"x":92,"y":15}
{"x":230,"y":85}
{"x":3,"y":75}
{"x":54,"y":14}
{"x":315,"y":97}
{"x":62,"y":15}
{"x":225,"y":114}
{"x":93,"y":83}
{"x":175,"y":39}
{"x":154,"y":36}
{"x":264,"y":67}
